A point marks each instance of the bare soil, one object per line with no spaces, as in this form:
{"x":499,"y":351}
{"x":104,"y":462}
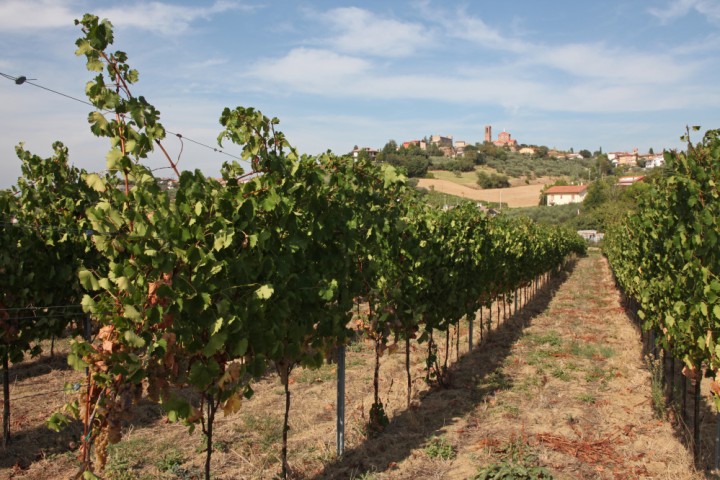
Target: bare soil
{"x":561,"y":384}
{"x":518,"y":196}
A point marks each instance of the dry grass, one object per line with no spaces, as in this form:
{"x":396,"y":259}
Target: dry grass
{"x":516,"y":196}
{"x":561,"y":384}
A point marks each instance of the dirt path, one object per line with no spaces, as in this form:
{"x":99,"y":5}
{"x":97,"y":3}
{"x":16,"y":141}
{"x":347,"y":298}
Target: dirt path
{"x":569,"y":394}
{"x":522,"y":196}
{"x":560,"y":386}
{"x":573,"y":395}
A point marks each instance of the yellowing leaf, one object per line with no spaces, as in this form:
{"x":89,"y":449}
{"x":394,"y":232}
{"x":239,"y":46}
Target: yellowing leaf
{"x":94,"y":181}
{"x":232,"y":405}
{"x":264,"y":292}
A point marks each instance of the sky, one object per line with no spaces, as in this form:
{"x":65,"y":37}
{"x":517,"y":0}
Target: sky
{"x":615,"y":75}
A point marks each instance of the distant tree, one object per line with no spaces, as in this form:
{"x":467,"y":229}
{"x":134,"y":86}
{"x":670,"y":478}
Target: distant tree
{"x":390,"y":147}
{"x":604,"y":166}
{"x":572,"y":150}
{"x":363,"y":154}
{"x":598,"y":193}
{"x":585,"y":153}
{"x":434,"y":151}
{"x":415,"y":165}
{"x":541,"y":151}
{"x":488,"y":151}
{"x":492,"y":180}
{"x":651,"y":152}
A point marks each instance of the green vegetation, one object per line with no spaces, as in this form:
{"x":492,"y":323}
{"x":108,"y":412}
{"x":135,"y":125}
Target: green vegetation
{"x":518,"y":165}
{"x":193,"y":297}
{"x":518,"y":462}
{"x":665,"y":256}
{"x":440,"y":448}
{"x":413,"y":160}
{"x":492,"y":180}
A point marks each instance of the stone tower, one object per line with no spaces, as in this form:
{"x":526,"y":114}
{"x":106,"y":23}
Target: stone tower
{"x":488,"y":133}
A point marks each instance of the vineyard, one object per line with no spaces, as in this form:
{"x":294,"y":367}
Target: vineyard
{"x":665,"y":258}
{"x":190,"y":301}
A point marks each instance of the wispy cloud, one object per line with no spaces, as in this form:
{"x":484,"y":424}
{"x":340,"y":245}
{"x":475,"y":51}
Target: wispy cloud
{"x":312,"y":70}
{"x":475,"y":30}
{"x":363,"y":32}
{"x":679,"y":8}
{"x":573,"y":77}
{"x":614,"y":65}
{"x":164,"y":18}
{"x":20,"y":15}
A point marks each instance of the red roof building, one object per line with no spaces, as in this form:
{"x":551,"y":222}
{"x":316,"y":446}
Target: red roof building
{"x":565,"y":194}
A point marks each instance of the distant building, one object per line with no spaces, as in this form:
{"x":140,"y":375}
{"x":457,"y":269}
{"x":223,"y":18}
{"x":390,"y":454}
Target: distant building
{"x":623,"y":158}
{"x":505,"y":139}
{"x":441,"y":141}
{"x":527,"y":151}
{"x":444,"y":143}
{"x":565,"y":194}
{"x":488,"y":133}
{"x":420,"y":143}
{"x":592,"y":236}
{"x":372,"y":153}
{"x":653,"y":161}
{"x":460,"y":147}
{"x":627,"y":181}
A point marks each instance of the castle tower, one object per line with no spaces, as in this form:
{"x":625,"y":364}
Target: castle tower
{"x":488,"y":133}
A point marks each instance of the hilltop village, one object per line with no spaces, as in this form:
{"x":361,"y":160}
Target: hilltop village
{"x":446,"y":146}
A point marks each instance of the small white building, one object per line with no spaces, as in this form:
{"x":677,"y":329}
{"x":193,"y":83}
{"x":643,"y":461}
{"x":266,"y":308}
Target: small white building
{"x":566,"y":194}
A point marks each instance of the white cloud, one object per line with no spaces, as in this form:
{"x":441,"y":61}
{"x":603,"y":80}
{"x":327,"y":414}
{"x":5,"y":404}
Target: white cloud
{"x":477,"y":31}
{"x":614,"y":65}
{"x":312,"y":70}
{"x":362,"y":32}
{"x":19,"y":15}
{"x":679,"y":8}
{"x":164,"y":18}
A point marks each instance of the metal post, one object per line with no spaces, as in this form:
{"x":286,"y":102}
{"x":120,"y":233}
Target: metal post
{"x":717,"y":444}
{"x":696,"y":414}
{"x":470,"y":330}
{"x":340,"y":426}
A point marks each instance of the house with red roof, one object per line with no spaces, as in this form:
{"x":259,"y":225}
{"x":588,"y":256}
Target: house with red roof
{"x":565,"y":194}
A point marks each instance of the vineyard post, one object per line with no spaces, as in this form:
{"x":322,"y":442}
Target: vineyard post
{"x":470,"y":331}
{"x":340,"y":424}
{"x":717,"y":444}
{"x":684,"y":397}
{"x":482,"y":323}
{"x":672,"y":378}
{"x":6,"y":398}
{"x":696,"y":415}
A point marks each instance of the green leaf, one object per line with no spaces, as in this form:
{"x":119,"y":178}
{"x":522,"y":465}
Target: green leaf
{"x":94,"y":181}
{"x":133,"y":339}
{"x":88,"y":280}
{"x":241,"y":348}
{"x":76,"y":362}
{"x":202,"y":375}
{"x":131,"y":312}
{"x":216,"y":343}
{"x":112,"y":159}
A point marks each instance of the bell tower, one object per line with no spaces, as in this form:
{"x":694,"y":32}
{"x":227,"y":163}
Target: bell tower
{"x":488,"y":133}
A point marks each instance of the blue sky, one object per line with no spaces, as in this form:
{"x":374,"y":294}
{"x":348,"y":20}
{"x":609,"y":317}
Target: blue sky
{"x":611,"y":74}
